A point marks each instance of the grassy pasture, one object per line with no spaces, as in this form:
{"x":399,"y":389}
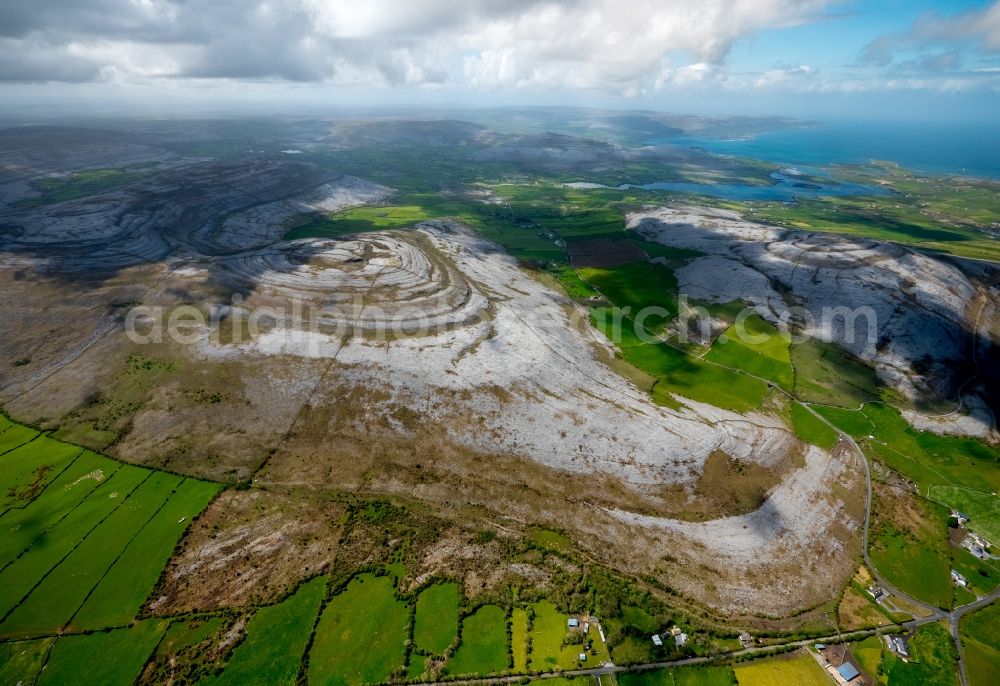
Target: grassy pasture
{"x":519,"y":638}
{"x":852,"y":422}
{"x":980,"y":632}
{"x":857,"y":611}
{"x":104,"y":658}
{"x":869,"y":654}
{"x":981,"y":506}
{"x":826,"y":373}
{"x":639,"y":286}
{"x":119,"y":595}
{"x":20,"y":576}
{"x":56,"y":598}
{"x":27,"y":470}
{"x":799,"y":669}
{"x":983,"y":575}
{"x":360,"y":636}
{"x":548,"y":630}
{"x":436,"y":619}
{"x":756,"y":347}
{"x":21,"y":526}
{"x":682,"y":676}
{"x":14,"y":436}
{"x":360,"y":220}
{"x":630,"y":649}
{"x":928,"y":458}
{"x":80,"y":184}
{"x":676,"y":371}
{"x":20,"y":662}
{"x":810,"y":429}
{"x":275,"y":640}
{"x":932,"y":663}
{"x":183,"y":633}
{"x":696,"y":379}
{"x":912,"y":551}
{"x":484,"y":644}
{"x":640,"y":619}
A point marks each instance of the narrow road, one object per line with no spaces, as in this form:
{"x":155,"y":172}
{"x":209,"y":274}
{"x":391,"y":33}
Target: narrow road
{"x":934,"y":613}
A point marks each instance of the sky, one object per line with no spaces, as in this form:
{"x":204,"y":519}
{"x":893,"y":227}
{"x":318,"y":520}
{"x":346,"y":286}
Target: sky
{"x":819,"y":58}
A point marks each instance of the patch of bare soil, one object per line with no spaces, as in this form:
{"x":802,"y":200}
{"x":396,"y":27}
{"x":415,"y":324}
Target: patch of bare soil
{"x":249,"y":547}
{"x":602,"y":252}
{"x":725,"y":488}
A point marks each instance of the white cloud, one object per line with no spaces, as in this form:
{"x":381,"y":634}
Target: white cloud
{"x":519,"y":44}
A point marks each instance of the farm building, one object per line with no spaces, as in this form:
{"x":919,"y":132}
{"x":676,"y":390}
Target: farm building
{"x":899,"y":646}
{"x":848,"y":671}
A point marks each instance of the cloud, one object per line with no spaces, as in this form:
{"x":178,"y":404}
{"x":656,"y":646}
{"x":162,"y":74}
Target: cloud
{"x":485,"y":44}
{"x":938,"y":42}
{"x":978,"y":27}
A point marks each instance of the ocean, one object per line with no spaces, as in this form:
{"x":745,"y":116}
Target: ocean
{"x":965,"y":149}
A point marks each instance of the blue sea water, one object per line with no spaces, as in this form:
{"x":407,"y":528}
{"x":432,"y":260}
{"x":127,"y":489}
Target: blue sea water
{"x":786,"y":188}
{"x":937,"y":148}
{"x":789,"y":184}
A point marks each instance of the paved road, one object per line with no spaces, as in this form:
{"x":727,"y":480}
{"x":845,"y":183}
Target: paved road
{"x":934,"y":613}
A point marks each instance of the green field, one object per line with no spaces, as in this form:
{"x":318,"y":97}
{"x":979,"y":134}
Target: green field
{"x":28,"y":469}
{"x":436,"y":618}
{"x":21,"y":526}
{"x":126,"y":585}
{"x":14,"y":436}
{"x":483,"y":649}
{"x":640,"y":619}
{"x":869,"y":654}
{"x":64,"y":588}
{"x":360,"y":220}
{"x":799,"y":669}
{"x":980,"y":632}
{"x":360,"y":636}
{"x":82,"y":547}
{"x":981,"y":506}
{"x":932,"y":660}
{"x":548,"y":631}
{"x":519,"y":638}
{"x":629,"y":649}
{"x":79,"y":184}
{"x":927,"y":458}
{"x":682,"y":676}
{"x":104,"y":658}
{"x":756,"y":347}
{"x":916,"y":559}
{"x":275,"y":641}
{"x":983,"y":575}
{"x":650,"y":290}
{"x":684,"y":374}
{"x":929,"y":213}
{"x":827,"y":374}
{"x":46,"y":551}
{"x":853,"y":423}
{"x":811,"y":429}
{"x":20,"y":662}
